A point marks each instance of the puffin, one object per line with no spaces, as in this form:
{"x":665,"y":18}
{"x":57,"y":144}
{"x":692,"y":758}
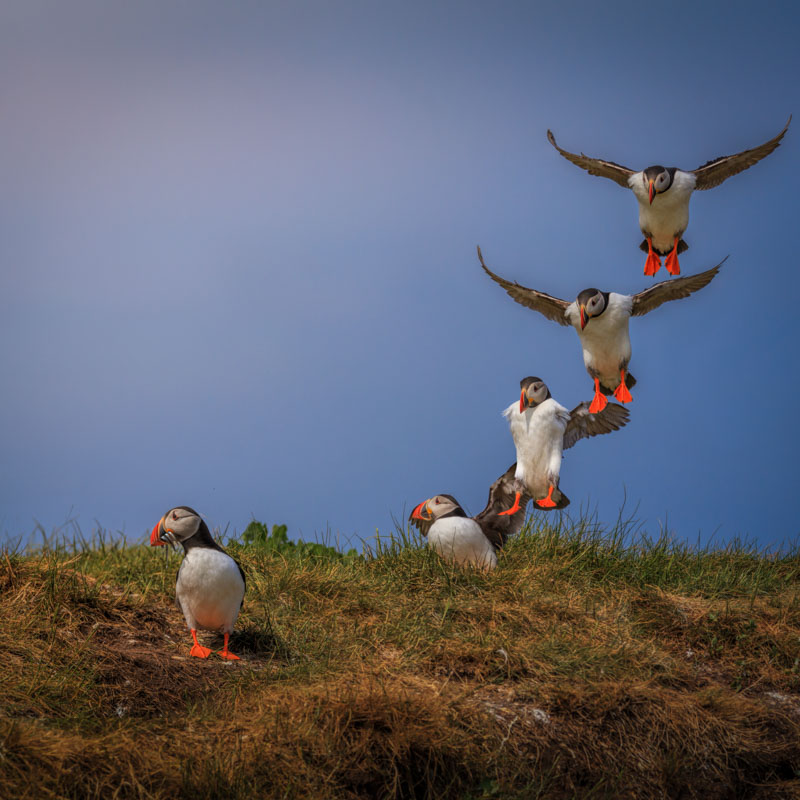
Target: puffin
{"x":542,"y":429}
{"x":664,"y":192}
{"x":472,"y":540}
{"x":210,"y":586}
{"x":601,"y":319}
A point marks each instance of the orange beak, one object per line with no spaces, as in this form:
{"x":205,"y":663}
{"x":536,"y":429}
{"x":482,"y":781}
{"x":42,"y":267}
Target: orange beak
{"x":584,"y":318}
{"x":652,"y":192}
{"x":155,"y":536}
{"x":522,"y":402}
{"x":417,"y":512}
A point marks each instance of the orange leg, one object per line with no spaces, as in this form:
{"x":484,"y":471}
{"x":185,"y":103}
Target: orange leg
{"x":225,"y":654}
{"x":547,"y":502}
{"x":514,"y":508}
{"x":671,"y":262}
{"x":621,"y":392}
{"x":198,"y":650}
{"x":599,"y":401}
{"x":653,"y":263}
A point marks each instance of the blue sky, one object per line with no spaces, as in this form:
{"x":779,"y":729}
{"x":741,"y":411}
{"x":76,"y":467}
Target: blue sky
{"x":238,"y":271}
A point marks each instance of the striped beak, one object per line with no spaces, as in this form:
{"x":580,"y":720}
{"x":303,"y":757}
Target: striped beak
{"x":155,"y":536}
{"x":417,"y":512}
{"x":584,"y":317}
{"x":652,"y":192}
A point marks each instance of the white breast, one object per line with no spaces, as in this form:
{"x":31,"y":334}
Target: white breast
{"x":605,"y":340}
{"x":210,"y":590}
{"x":668,"y":216}
{"x":461,"y":539}
{"x":538,"y":434}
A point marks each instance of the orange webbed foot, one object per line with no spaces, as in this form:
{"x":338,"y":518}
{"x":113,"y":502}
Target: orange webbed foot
{"x":653,"y":263}
{"x":198,"y":651}
{"x":599,"y":401}
{"x":547,"y":502}
{"x":513,"y":509}
{"x":621,"y":392}
{"x":671,"y":263}
{"x":228,"y":656}
{"x":224,"y":653}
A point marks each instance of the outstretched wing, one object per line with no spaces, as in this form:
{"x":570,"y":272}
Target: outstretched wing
{"x":595,"y":166}
{"x":673,"y":289}
{"x":719,"y":169}
{"x":583,"y":424}
{"x":501,"y":497}
{"x":551,"y":307}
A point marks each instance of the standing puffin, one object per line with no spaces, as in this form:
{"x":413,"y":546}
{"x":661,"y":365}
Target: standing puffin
{"x":472,"y":540}
{"x":542,"y":429}
{"x":210,"y":586}
{"x":606,"y":341}
{"x":663,"y":194}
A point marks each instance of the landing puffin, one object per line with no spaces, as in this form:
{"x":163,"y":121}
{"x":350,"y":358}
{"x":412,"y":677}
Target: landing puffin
{"x":664,"y":192}
{"x":210,"y":586}
{"x":601,"y":320}
{"x":472,"y":540}
{"x":542,"y":429}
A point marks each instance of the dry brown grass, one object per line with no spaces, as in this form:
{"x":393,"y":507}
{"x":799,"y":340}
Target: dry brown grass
{"x":565,"y":673}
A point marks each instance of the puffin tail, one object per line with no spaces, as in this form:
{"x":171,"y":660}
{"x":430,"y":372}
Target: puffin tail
{"x":682,"y":248}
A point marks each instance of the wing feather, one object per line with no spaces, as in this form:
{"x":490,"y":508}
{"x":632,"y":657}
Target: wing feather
{"x":550,"y":307}
{"x":501,"y":497}
{"x":674,"y":289}
{"x":583,"y":424}
{"x":714,"y":172}
{"x":595,"y":166}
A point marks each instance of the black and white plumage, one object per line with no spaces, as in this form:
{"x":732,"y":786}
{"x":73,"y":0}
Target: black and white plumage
{"x":542,"y":429}
{"x":664,"y":193}
{"x":601,"y":320}
{"x":471,"y":540}
{"x":210,"y":587}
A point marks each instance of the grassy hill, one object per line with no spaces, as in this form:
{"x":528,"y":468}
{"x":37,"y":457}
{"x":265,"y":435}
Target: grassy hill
{"x":587,"y":665}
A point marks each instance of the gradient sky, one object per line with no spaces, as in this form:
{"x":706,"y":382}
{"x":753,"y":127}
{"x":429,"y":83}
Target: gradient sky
{"x":238,"y":270}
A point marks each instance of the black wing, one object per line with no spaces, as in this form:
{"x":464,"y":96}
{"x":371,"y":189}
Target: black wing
{"x":595,"y":166}
{"x":551,"y":307}
{"x":583,"y":424}
{"x":501,"y":497}
{"x":673,"y":289}
{"x":244,"y":581}
{"x":719,"y":169}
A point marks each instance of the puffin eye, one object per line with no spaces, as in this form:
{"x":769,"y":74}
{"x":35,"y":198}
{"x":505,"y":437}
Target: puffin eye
{"x":437,"y":501}
{"x":174,"y":515}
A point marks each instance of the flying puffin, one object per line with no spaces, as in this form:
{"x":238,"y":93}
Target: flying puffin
{"x":601,"y":320}
{"x":472,"y":540}
{"x":210,"y":586}
{"x":542,"y":429}
{"x":663,"y":194}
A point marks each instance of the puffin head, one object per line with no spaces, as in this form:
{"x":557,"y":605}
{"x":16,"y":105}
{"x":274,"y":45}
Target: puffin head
{"x":177,"y":525}
{"x":435,"y":507}
{"x":532,"y":392}
{"x":591,"y":303}
{"x":657,"y":180}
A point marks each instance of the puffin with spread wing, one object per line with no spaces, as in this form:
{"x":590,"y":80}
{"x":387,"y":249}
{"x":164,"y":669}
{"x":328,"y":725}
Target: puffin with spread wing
{"x":664,"y":192}
{"x":601,"y":319}
{"x":472,"y":540}
{"x":542,"y":429}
